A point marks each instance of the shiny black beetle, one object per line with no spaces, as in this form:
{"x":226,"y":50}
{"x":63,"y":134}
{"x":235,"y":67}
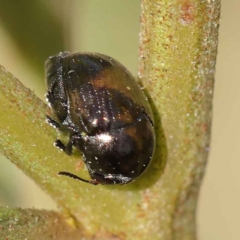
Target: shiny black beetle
{"x":98,"y":101}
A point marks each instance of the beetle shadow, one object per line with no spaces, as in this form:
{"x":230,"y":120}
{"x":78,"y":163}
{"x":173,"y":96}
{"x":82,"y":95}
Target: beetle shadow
{"x":156,"y":168}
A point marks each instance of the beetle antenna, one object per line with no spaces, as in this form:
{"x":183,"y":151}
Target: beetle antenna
{"x":68,"y":174}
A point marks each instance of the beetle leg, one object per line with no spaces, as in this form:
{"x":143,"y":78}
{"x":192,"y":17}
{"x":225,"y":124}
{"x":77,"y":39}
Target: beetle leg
{"x":58,"y":144}
{"x":93,"y":182}
{"x":49,"y":98}
{"x":52,"y":122}
{"x":146,"y":115}
{"x":66,"y":148}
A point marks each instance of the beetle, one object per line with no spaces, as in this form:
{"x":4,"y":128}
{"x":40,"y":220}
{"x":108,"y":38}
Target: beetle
{"x":98,"y":102}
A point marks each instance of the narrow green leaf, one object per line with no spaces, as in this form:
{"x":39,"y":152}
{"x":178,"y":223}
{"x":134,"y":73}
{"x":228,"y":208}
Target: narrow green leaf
{"x":16,"y":224}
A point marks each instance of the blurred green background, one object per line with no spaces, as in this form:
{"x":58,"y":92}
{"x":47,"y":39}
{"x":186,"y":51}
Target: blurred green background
{"x":30,"y":31}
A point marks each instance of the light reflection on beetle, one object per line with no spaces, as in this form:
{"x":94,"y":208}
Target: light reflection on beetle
{"x":98,"y":102}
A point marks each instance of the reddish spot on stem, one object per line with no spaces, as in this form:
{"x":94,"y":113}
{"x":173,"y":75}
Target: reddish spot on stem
{"x":187,"y":12}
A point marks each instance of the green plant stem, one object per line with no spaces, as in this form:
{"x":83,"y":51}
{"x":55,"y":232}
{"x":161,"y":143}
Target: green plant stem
{"x":178,"y":54}
{"x":16,"y":224}
{"x":177,"y":63}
